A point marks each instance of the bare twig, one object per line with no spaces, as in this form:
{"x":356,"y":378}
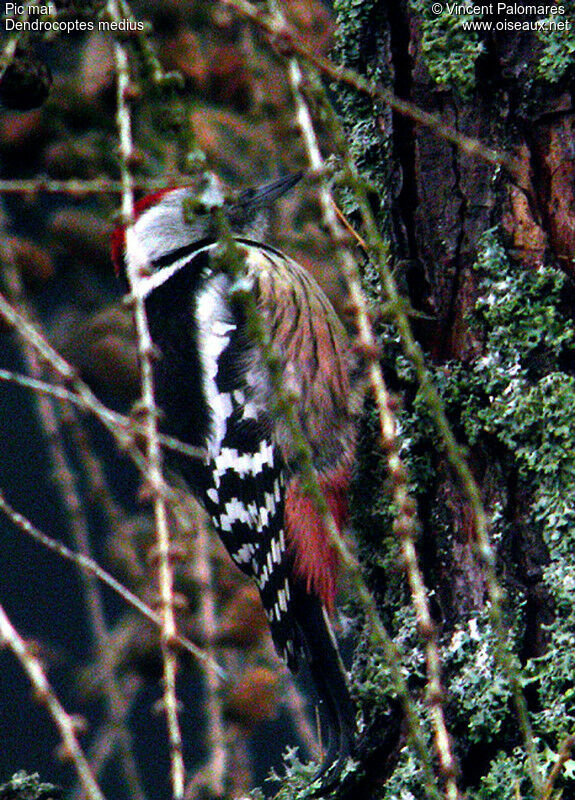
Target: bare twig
{"x":101,"y":749}
{"x":77,"y":187}
{"x":98,"y":491}
{"x":288,"y":41}
{"x":89,"y":565}
{"x":215,"y":770}
{"x":112,"y":419}
{"x":135,"y":265}
{"x":149,"y":61}
{"x":68,"y":374}
{"x":45,"y":694}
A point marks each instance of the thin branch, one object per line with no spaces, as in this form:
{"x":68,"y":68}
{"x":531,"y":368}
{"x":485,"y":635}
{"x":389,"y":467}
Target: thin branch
{"x":406,"y":522}
{"x":89,"y":565}
{"x":45,"y":694}
{"x":68,"y":374}
{"x":396,"y":307}
{"x":77,"y":187}
{"x":99,"y":754}
{"x":563,"y":757}
{"x":113,"y":419}
{"x":214,"y":773}
{"x":98,"y":491}
{"x":288,"y":42}
{"x":136,"y":264}
{"x":149,"y":61}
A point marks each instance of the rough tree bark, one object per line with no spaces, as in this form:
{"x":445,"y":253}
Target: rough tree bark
{"x":508,"y":91}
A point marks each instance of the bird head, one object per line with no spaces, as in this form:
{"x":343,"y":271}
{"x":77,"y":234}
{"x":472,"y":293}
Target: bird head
{"x":175,"y":222}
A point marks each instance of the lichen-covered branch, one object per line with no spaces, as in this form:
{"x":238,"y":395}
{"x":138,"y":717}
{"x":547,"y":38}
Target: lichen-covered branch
{"x":406,"y":522}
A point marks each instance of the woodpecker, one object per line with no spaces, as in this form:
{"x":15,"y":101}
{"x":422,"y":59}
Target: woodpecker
{"x":214,"y":391}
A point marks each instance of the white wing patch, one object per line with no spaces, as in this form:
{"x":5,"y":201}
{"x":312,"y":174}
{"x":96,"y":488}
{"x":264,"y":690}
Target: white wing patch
{"x":245,"y":553}
{"x":214,"y":331}
{"x":236,"y":511}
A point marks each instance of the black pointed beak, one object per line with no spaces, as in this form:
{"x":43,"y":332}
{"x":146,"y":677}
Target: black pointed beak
{"x":264,"y":195}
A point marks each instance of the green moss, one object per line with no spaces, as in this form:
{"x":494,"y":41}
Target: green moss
{"x":527,"y":398}
{"x":519,"y":393}
{"x":407,"y":779}
{"x":353,"y":18}
{"x":505,"y":779}
{"x":558,"y":54}
{"x":517,"y":399}
{"x":479,"y":694}
{"x":451,"y":48}
{"x":450,"y":51}
{"x":361,"y":41}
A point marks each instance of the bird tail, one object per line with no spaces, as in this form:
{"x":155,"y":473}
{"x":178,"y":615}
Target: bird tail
{"x":327,"y":671}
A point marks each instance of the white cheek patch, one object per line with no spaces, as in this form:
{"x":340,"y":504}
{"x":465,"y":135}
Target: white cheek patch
{"x":161,"y":228}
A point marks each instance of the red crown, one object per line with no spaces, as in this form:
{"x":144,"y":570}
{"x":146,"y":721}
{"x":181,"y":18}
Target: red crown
{"x":118,"y":240}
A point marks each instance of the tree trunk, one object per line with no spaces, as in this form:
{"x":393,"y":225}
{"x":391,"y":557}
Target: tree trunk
{"x":490,"y":327}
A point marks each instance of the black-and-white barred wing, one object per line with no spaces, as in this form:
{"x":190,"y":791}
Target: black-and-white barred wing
{"x":247,"y":475}
{"x":245,"y":502}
